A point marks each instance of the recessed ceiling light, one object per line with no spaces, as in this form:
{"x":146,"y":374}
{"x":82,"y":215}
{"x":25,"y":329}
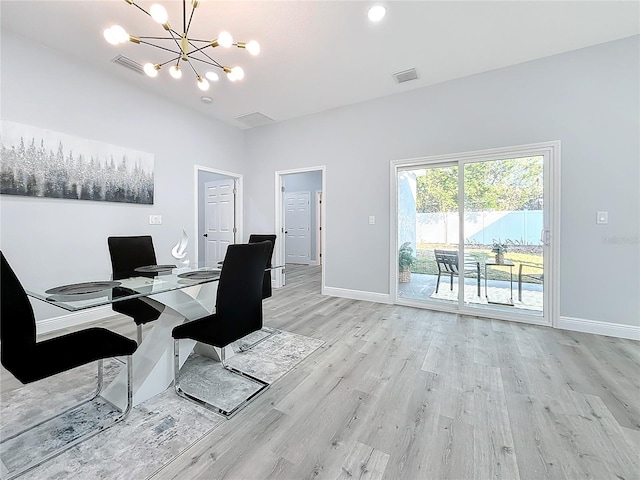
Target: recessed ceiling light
{"x":377,"y":13}
{"x":206,"y":99}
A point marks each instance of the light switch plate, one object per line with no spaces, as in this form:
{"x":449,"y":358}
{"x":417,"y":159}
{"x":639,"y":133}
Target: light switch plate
{"x":155,"y":219}
{"x":372,"y":220}
{"x":602,"y":218}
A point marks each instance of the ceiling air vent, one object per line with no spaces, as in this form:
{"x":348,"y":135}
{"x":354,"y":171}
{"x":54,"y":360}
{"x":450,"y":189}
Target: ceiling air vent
{"x":255,"y":119}
{"x":406,"y":75}
{"x":128,"y":63}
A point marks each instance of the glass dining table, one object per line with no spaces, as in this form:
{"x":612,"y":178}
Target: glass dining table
{"x":181,"y":294}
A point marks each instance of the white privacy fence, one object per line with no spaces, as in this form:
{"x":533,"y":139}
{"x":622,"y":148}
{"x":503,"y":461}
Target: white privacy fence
{"x":522,"y":227}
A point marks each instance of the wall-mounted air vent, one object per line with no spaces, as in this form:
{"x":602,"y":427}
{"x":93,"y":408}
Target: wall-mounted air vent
{"x":128,"y":63}
{"x":406,"y":75}
{"x":255,"y":119}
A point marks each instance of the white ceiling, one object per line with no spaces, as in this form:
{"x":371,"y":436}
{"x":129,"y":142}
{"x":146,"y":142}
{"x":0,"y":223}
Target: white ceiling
{"x":318,"y":55}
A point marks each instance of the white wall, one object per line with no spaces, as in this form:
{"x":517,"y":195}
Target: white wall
{"x":588,"y":99}
{"x":51,"y":240}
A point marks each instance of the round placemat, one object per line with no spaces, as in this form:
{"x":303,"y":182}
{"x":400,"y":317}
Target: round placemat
{"x":81,"y":288}
{"x":154,"y":268}
{"x":200,"y":274}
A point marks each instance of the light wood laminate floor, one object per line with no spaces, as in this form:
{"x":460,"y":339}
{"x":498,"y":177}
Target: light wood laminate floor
{"x":402,"y":393}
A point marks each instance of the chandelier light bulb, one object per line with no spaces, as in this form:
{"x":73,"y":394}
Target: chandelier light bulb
{"x":120,"y":34}
{"x":376,"y":13}
{"x":213,"y":76}
{"x":236,"y":73}
{"x":253,"y":47}
{"x":225,"y":39}
{"x":158,"y":13}
{"x":151,"y":70}
{"x":203,"y":84}
{"x":116,"y":35}
{"x":175,"y":72}
{"x":110,"y":37}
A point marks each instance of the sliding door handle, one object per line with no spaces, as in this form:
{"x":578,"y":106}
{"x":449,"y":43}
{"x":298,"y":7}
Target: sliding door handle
{"x":545,"y":237}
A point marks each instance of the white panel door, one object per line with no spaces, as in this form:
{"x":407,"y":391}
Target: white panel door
{"x":219,"y":218}
{"x":297,"y":221}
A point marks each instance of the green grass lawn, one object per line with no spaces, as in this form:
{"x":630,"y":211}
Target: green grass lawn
{"x":426,"y":262}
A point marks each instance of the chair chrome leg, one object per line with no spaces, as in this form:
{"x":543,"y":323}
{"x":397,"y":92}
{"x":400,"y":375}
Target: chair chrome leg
{"x":139,"y":334}
{"x":203,"y":403}
{"x":86,"y":436}
{"x":272,"y":332}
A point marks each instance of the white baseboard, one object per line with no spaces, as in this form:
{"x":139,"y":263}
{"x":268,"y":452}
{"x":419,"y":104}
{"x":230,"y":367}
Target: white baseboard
{"x":631,"y":332}
{"x":356,"y":294}
{"x":74,"y":319}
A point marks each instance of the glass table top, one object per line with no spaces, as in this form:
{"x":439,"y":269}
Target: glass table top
{"x":142,"y":283}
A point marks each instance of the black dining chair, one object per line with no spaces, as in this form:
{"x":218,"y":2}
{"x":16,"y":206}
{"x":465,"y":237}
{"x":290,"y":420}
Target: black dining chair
{"x":266,"y":284}
{"x":29,"y":360}
{"x":127,"y":254}
{"x":266,"y":281}
{"x":238,"y":313}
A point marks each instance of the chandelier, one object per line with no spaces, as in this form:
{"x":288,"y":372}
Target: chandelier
{"x":184,"y":50}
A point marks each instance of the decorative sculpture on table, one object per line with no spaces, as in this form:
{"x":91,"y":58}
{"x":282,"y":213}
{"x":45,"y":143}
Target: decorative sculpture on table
{"x":179,"y":252}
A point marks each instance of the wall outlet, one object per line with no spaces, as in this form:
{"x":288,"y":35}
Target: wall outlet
{"x":155,"y":219}
{"x":372,"y":220}
{"x":602,"y":218}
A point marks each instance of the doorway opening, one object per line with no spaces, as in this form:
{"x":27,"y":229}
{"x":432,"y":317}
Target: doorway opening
{"x":300,"y":218}
{"x":477,"y":233}
{"x":218,"y":222}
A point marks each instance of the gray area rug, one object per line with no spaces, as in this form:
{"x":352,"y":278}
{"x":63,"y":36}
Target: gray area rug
{"x":155,"y":431}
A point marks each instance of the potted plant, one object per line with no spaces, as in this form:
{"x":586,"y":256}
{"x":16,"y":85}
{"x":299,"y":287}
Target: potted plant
{"x":405,"y":260}
{"x":499,"y":249}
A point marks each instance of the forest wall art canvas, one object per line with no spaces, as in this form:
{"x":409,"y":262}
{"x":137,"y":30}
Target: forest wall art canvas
{"x":36,"y":162}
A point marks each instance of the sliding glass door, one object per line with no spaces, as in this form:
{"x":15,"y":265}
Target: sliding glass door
{"x":473,"y":233}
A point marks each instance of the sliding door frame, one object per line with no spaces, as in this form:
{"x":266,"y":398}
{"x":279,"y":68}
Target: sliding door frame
{"x":551,"y":152}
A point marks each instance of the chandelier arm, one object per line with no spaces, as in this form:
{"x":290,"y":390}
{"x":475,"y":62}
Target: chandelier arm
{"x":184,"y":16}
{"x":213,"y":63}
{"x":175,"y":40}
{"x":157,"y":38}
{"x":161,"y":48}
{"x":139,"y":7}
{"x":190,"y":18}
{"x":197,"y":49}
{"x":171,"y":61}
{"x":194,"y":70}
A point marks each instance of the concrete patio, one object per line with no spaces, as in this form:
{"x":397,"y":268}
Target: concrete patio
{"x":423,"y":286}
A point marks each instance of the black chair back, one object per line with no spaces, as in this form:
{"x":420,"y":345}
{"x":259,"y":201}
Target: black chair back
{"x":266,"y":283}
{"x":129,"y":253}
{"x":17,"y":321}
{"x":29,"y":360}
{"x":239,"y":299}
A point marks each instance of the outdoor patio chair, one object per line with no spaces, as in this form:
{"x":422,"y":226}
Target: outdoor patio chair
{"x":538,"y":277}
{"x":447,"y":261}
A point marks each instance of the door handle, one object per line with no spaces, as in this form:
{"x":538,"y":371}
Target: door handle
{"x":205,"y":234}
{"x":545,"y":237}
